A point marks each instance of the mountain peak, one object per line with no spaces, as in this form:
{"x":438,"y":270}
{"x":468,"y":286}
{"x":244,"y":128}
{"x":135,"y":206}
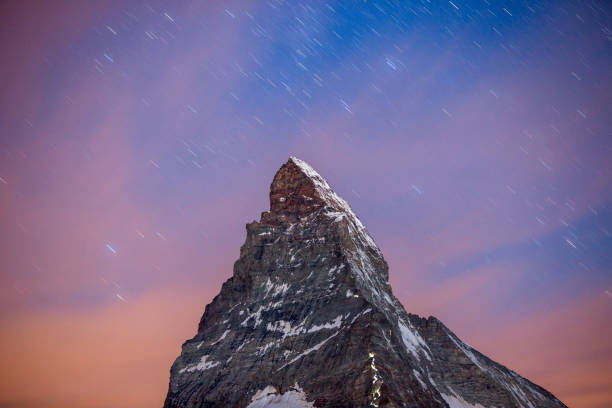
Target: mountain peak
{"x":297,"y":191}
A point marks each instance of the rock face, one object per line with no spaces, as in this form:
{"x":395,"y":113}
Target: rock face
{"x":308,"y":319}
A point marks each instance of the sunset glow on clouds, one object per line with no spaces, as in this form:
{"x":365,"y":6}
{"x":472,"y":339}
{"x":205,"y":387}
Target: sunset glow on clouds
{"x":137,"y":140}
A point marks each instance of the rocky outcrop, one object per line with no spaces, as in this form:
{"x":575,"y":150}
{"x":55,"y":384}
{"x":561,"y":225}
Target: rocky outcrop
{"x":308,"y":319}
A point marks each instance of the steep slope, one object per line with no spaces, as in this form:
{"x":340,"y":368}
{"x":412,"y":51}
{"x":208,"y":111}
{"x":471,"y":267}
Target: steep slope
{"x":308,"y":319}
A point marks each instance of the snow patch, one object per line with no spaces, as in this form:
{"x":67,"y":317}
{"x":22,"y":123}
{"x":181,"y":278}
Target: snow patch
{"x":310,"y":350}
{"x":220,"y":338}
{"x":413,"y":340}
{"x":456,"y":401}
{"x":331,"y":325}
{"x":269,"y":397}
{"x":201,"y":366}
{"x":286,"y":328}
{"x":244,"y":343}
{"x":256,"y":316}
{"x":417,"y":375}
{"x":275,"y":289}
{"x":264,"y":349}
{"x":468,"y":353}
{"x":368,"y":310}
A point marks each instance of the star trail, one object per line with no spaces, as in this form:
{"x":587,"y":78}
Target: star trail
{"x":472,"y":138}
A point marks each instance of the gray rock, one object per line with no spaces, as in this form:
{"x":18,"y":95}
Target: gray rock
{"x":309,"y":319}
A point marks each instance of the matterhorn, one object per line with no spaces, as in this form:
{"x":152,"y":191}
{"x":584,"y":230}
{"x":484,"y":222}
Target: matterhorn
{"x":308,"y":319}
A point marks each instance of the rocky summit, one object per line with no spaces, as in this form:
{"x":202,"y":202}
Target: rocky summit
{"x":308,"y":319}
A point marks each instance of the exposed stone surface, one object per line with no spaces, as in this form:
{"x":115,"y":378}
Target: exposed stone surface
{"x":308,"y":319}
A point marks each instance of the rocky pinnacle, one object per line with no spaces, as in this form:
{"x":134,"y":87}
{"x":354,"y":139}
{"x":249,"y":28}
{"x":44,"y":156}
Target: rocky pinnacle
{"x":308,"y":319}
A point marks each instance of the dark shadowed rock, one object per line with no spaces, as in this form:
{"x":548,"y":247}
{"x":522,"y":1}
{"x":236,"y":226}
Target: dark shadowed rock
{"x":308,"y":319}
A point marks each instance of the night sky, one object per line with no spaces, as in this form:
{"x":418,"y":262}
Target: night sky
{"x":472,"y":138}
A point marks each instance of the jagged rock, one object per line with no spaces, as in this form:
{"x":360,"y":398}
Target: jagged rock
{"x":308,"y":319}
